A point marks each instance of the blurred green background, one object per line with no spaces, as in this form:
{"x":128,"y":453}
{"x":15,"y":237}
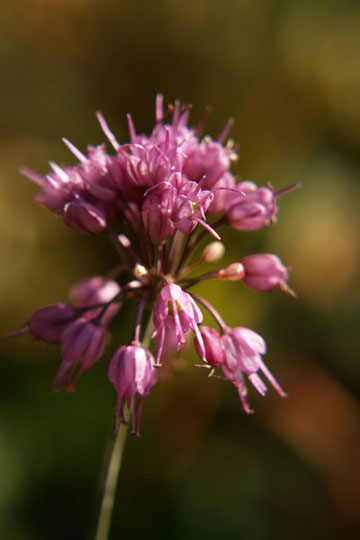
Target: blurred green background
{"x":288,"y":72}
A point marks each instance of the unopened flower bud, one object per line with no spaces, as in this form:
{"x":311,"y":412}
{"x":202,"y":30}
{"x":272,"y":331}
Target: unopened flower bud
{"x":84,"y":217}
{"x":140,"y":271}
{"x":84,"y":343}
{"x":223,"y":190}
{"x":214,"y":349}
{"x":213,"y":252}
{"x":264,"y":272}
{"x":156,"y":214}
{"x":233,"y":272}
{"x":252,"y":209}
{"x":50,"y":322}
{"x":209,"y":159}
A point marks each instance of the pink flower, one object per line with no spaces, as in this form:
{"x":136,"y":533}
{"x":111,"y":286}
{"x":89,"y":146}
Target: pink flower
{"x":148,"y":165}
{"x":208,"y":159}
{"x":156,"y":213}
{"x":97,"y":174}
{"x":131,"y":371}
{"x":243,"y":350}
{"x":190,"y":206}
{"x":264,"y":272}
{"x":254,"y":210}
{"x":58,"y":185}
{"x":177,"y":312}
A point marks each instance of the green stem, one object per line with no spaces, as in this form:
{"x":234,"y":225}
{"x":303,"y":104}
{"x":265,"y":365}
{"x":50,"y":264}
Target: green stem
{"x":108,"y":499}
{"x":113,"y":469}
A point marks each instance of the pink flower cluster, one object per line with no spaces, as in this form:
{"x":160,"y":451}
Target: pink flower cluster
{"x":157,"y":198}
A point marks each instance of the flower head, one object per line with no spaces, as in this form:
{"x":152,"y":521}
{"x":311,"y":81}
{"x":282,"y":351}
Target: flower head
{"x":157,"y":198}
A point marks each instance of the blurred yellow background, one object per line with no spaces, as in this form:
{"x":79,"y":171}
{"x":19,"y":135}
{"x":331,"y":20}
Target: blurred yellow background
{"x":288,"y":73}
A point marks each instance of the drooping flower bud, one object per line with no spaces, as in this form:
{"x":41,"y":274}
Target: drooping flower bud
{"x":83,"y":344}
{"x":131,"y":371}
{"x":254,"y":209}
{"x":214,"y":349}
{"x":233,"y":272}
{"x":50,"y":322}
{"x":83,"y":217}
{"x":264,"y":272}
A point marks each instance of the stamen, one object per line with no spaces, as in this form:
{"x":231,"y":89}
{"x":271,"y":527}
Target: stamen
{"x":159,"y":111}
{"x":287,"y":189}
{"x":209,"y":229}
{"x":131,"y":128}
{"x":81,"y":157}
{"x":225,"y":132}
{"x":237,"y":191}
{"x":133,"y":415}
{"x":161,"y":345}
{"x":284,"y":287}
{"x":176,"y":113}
{"x":59,"y":171}
{"x":258,"y":383}
{"x":108,"y":133}
{"x":200,"y":340}
{"x":242,"y":394}
{"x":200,"y":127}
{"x":272,"y":379}
{"x":184,"y":116}
{"x":21,"y":332}
{"x":32,"y":175}
{"x":178,"y":327}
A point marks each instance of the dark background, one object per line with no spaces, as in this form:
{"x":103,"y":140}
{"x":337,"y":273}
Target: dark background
{"x":288,"y":72}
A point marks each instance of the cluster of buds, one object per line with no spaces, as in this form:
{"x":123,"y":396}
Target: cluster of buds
{"x":157,"y":198}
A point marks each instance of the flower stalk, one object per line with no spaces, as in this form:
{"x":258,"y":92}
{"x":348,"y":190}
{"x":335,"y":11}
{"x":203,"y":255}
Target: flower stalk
{"x":110,"y":485}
